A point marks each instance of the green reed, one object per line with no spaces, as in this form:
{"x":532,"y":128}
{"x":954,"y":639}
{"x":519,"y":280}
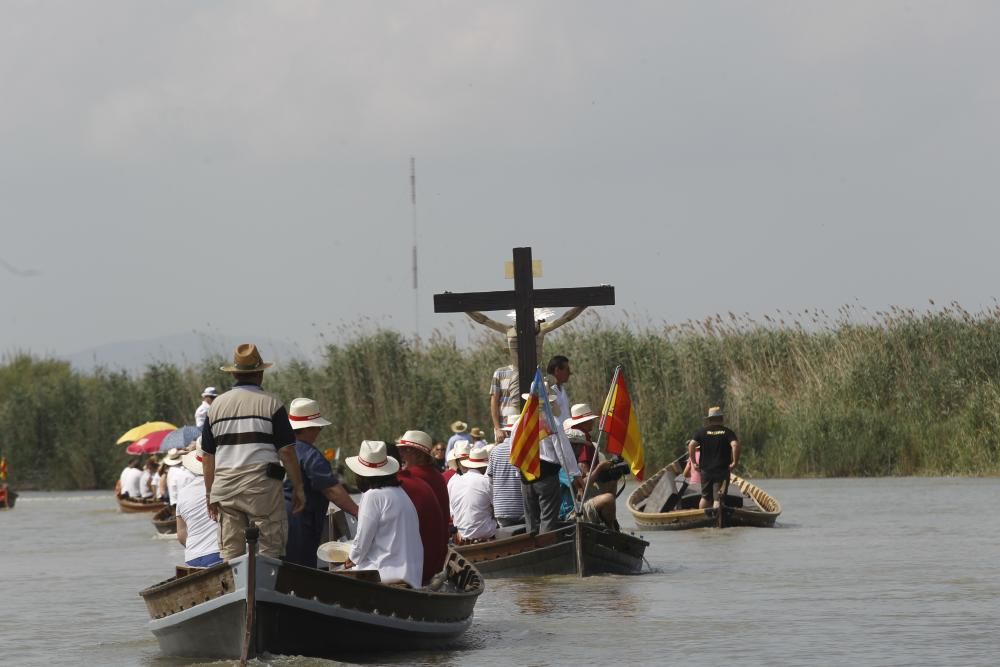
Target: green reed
{"x":855,"y":393}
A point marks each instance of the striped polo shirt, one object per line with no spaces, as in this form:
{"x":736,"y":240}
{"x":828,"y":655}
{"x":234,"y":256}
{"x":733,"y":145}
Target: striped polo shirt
{"x":508,"y":503}
{"x":246,"y":426}
{"x":504,"y":385}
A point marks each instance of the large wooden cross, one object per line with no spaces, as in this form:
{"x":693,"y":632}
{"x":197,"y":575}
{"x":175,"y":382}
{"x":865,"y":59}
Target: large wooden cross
{"x":524,"y":299}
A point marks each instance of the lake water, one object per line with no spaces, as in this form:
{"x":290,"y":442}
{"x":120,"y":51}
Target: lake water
{"x":856,"y":572}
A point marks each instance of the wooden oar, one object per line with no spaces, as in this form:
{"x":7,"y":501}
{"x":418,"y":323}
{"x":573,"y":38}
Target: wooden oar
{"x":249,"y":650}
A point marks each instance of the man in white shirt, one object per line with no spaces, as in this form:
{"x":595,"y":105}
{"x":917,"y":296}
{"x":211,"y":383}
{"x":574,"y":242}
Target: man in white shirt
{"x":388,"y":534}
{"x":147,"y":479}
{"x":559,"y":369}
{"x":195,"y":529}
{"x":178,"y":476}
{"x":201,"y":414}
{"x":130,"y":480}
{"x":471,"y":500}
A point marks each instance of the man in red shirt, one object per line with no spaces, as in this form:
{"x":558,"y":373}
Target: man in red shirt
{"x":415,"y":452}
{"x":433,"y":527}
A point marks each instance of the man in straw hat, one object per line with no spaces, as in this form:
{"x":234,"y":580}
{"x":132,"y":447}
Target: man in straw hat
{"x":388,"y":536}
{"x":246,"y":434}
{"x":459,"y":431}
{"x":178,"y":476}
{"x":433,"y":519}
{"x":195,"y":528}
{"x":505,"y":481}
{"x":472,"y":501}
{"x":458,"y":452}
{"x":208,"y":395}
{"x":415,"y":454}
{"x":321,"y":485}
{"x":581,"y":418}
{"x":720,"y":452}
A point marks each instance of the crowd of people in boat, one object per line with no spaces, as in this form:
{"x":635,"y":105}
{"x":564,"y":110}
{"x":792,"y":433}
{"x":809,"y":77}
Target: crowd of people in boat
{"x":256,"y":461}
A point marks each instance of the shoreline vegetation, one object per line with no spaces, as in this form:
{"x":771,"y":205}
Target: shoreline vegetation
{"x":810,"y":395}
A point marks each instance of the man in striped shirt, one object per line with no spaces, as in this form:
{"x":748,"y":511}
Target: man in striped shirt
{"x":245,"y":435}
{"x":508,"y":502}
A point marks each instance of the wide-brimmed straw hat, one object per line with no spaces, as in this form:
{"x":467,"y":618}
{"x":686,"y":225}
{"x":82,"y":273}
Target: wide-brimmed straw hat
{"x":210,"y":391}
{"x":372,"y":460}
{"x":246,"y":359}
{"x":510,"y":421}
{"x":192,"y":460}
{"x":477,"y":433}
{"x":416,"y":440}
{"x":173,"y":457}
{"x":459,"y":427}
{"x":334,"y":552}
{"x":305,"y":413}
{"x":459,"y":451}
{"x":578,"y":414}
{"x":478,"y":458}
{"x":714,"y":412}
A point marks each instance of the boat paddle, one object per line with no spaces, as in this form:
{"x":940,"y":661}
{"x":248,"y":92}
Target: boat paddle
{"x":252,"y":534}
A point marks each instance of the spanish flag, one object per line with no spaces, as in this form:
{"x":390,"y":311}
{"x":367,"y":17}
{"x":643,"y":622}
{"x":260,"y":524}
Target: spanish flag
{"x":525,"y":453}
{"x":622,"y":426}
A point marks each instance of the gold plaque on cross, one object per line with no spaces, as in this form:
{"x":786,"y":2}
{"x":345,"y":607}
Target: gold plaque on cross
{"x":536,"y":269}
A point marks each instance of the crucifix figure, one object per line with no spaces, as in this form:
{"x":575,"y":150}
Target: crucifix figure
{"x":527,"y":331}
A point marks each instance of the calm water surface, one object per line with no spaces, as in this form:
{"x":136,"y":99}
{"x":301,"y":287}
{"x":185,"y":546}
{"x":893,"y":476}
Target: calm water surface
{"x":857,"y":572}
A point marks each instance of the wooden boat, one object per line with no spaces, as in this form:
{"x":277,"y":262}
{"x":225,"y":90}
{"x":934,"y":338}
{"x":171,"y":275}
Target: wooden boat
{"x":752,"y":507}
{"x":305,"y":611}
{"x":133,"y":505}
{"x":8,"y":498}
{"x":584,"y":549}
{"x":165,"y":521}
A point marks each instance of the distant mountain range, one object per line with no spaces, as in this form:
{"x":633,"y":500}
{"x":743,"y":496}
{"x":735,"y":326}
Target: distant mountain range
{"x":179,"y":349}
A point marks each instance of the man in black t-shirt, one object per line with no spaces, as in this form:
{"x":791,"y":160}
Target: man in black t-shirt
{"x":719,"y":454}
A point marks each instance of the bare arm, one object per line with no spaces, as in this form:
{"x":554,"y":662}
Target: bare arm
{"x":338,"y":495}
{"x":291,"y":462}
{"x":692,"y":445}
{"x":565,"y":318}
{"x":487,"y":322}
{"x":182,"y":531}
{"x":495,"y":414}
{"x":735,"y":444}
{"x":208,"y":470}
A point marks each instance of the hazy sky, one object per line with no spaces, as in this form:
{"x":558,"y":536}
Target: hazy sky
{"x":243,"y":167}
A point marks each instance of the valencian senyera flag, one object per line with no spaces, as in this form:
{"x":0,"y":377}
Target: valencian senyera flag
{"x":525,"y":447}
{"x":622,"y":427}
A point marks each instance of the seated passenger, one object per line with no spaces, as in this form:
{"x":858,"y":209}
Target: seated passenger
{"x":599,"y":496}
{"x":458,"y":452}
{"x":130,"y":480}
{"x":195,"y":529}
{"x":148,"y":478}
{"x":388,"y":534}
{"x":472,"y":501}
{"x":433,"y":520}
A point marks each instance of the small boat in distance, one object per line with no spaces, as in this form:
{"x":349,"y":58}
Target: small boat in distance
{"x":134,"y":505}
{"x":658,"y":504}
{"x":8,"y":497}
{"x":584,"y":549}
{"x":165,"y":521}
{"x":202,"y":613}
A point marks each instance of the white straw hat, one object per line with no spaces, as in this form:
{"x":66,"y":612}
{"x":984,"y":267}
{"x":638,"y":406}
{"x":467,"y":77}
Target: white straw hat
{"x":210,"y":391}
{"x":459,"y":451}
{"x":416,"y":440}
{"x":192,"y":461}
{"x":172,"y":458}
{"x":478,"y":458}
{"x":334,"y":552}
{"x":510,"y":421}
{"x":579,"y":414}
{"x":305,"y":413}
{"x":372,"y":461}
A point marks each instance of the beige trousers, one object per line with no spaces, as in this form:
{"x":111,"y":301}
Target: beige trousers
{"x":265,"y":508}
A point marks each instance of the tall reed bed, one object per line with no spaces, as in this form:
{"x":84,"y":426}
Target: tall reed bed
{"x":810,"y":394}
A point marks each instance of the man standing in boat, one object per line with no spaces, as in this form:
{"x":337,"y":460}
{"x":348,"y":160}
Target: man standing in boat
{"x":322,"y":486}
{"x":246,"y":434}
{"x":719,"y":454}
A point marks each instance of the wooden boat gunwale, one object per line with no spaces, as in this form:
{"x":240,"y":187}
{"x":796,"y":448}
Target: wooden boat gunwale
{"x":133,"y":506}
{"x":764,"y":515}
{"x":299,"y":607}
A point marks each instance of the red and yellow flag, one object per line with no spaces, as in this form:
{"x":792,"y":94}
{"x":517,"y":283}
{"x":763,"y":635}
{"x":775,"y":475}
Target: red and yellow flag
{"x":525,"y":452}
{"x":622,"y":427}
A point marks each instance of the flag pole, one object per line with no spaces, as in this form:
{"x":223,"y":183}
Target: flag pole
{"x":600,"y":428}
